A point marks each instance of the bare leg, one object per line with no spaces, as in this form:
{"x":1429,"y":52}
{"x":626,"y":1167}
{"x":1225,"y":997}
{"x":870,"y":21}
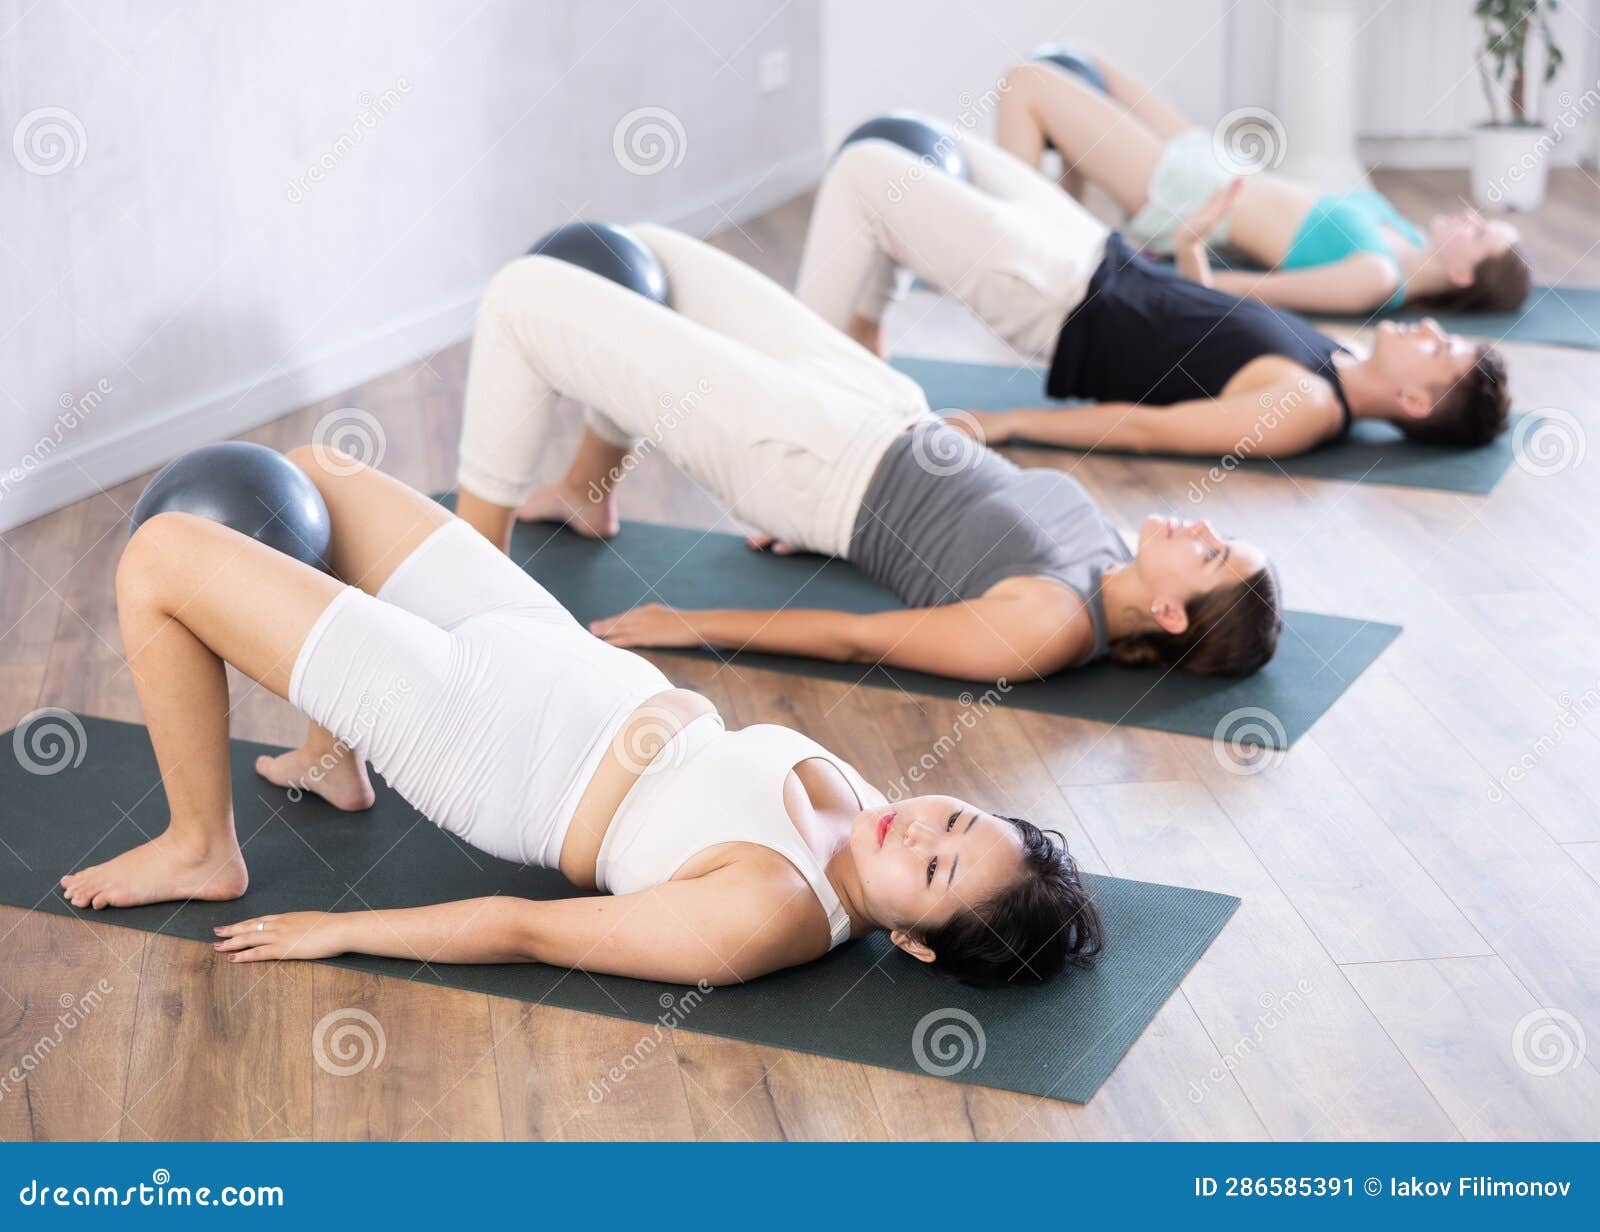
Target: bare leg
{"x":325,"y":765}
{"x":377,"y":522}
{"x":191,"y":596}
{"x":868,"y":333}
{"x":492,"y":521}
{"x":585,"y":498}
{"x":1096,"y":136}
{"x":1142,"y":102}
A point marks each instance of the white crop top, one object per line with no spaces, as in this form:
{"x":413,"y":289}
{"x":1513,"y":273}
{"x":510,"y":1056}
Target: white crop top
{"x":708,"y":786}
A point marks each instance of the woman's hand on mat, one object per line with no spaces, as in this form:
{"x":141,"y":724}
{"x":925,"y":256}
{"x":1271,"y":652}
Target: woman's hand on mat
{"x":768,"y":543}
{"x":1198,"y":226}
{"x":649,"y":624}
{"x":276,"y":938}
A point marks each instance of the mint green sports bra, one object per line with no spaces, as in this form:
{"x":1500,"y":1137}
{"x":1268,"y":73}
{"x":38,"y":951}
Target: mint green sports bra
{"x":1340,"y":225}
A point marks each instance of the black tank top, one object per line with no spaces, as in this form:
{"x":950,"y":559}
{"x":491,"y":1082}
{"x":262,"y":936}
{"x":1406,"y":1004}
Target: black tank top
{"x":1144,"y":333}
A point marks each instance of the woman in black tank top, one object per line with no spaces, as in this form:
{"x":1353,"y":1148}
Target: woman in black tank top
{"x":1177,"y":367}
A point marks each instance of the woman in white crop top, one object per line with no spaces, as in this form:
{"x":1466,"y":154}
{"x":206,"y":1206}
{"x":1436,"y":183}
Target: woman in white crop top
{"x":723,"y":855}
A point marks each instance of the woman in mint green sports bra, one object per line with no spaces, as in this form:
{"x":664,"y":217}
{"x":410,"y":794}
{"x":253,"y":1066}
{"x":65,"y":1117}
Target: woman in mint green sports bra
{"x":1350,"y":253}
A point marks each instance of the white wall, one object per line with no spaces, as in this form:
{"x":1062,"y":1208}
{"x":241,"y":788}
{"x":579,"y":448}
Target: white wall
{"x":1417,"y":92}
{"x":1415,"y":111}
{"x":937,"y":55}
{"x":172,"y":275}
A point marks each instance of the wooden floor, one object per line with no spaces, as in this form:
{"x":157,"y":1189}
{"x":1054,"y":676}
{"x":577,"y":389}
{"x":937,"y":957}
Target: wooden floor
{"x":1416,"y":945}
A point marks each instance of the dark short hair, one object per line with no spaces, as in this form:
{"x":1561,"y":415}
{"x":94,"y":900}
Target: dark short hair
{"x":1232,"y":631}
{"x":1470,"y":411}
{"x":1031,"y":931}
{"x":1499,"y":284}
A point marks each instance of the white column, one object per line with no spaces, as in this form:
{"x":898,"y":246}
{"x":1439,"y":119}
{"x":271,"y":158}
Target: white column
{"x":1317,"y":93}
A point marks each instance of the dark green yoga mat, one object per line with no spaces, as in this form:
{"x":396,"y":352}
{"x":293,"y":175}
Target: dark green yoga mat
{"x":1372,"y":453}
{"x":1555,"y":316}
{"x":863,"y":1002}
{"x":1318,"y":656}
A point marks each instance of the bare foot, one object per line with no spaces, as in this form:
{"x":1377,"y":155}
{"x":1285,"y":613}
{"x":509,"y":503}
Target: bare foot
{"x":339,"y":778}
{"x":869,"y":334}
{"x":768,"y":543}
{"x":161,"y":871}
{"x":560,"y":503}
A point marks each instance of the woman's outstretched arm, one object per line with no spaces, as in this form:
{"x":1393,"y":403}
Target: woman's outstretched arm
{"x":725,"y":927}
{"x":984,"y":639}
{"x":1279,"y":420}
{"x":1363,"y":282}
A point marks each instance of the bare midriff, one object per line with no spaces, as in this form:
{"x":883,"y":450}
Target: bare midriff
{"x":647,"y":731}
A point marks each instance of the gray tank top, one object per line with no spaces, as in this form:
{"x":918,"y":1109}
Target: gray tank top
{"x":934,"y":537}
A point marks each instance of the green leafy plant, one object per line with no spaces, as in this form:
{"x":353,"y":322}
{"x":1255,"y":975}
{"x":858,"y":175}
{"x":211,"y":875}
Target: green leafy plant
{"x":1503,"y":60}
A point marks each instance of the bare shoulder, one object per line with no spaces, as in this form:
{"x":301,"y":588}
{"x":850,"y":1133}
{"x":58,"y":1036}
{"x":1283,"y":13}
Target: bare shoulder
{"x":1048,"y":616}
{"x":1274,"y":374}
{"x":769,"y":904}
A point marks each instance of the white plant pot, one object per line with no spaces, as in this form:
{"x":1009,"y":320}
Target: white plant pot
{"x":1509,"y":165}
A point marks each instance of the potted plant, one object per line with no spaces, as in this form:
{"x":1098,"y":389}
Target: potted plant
{"x":1509,"y":152}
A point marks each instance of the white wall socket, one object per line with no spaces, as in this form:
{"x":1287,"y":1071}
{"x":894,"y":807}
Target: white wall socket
{"x":772,"y":70}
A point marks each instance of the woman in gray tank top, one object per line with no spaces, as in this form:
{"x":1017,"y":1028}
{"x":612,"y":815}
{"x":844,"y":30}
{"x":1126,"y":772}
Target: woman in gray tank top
{"x":1006,"y":573}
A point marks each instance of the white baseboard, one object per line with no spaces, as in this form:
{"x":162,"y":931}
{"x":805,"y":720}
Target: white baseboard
{"x":1447,"y":153}
{"x":70,"y":474}
{"x":737,"y":201}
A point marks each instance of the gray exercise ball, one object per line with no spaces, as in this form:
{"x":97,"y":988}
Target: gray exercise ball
{"x":608,"y":251}
{"x":250,"y":488}
{"x":1073,"y":62}
{"x":927,"y":139}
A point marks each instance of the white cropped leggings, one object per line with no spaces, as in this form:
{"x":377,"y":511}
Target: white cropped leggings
{"x":473,"y":692}
{"x":778,"y":415}
{"x":1010,"y":244}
